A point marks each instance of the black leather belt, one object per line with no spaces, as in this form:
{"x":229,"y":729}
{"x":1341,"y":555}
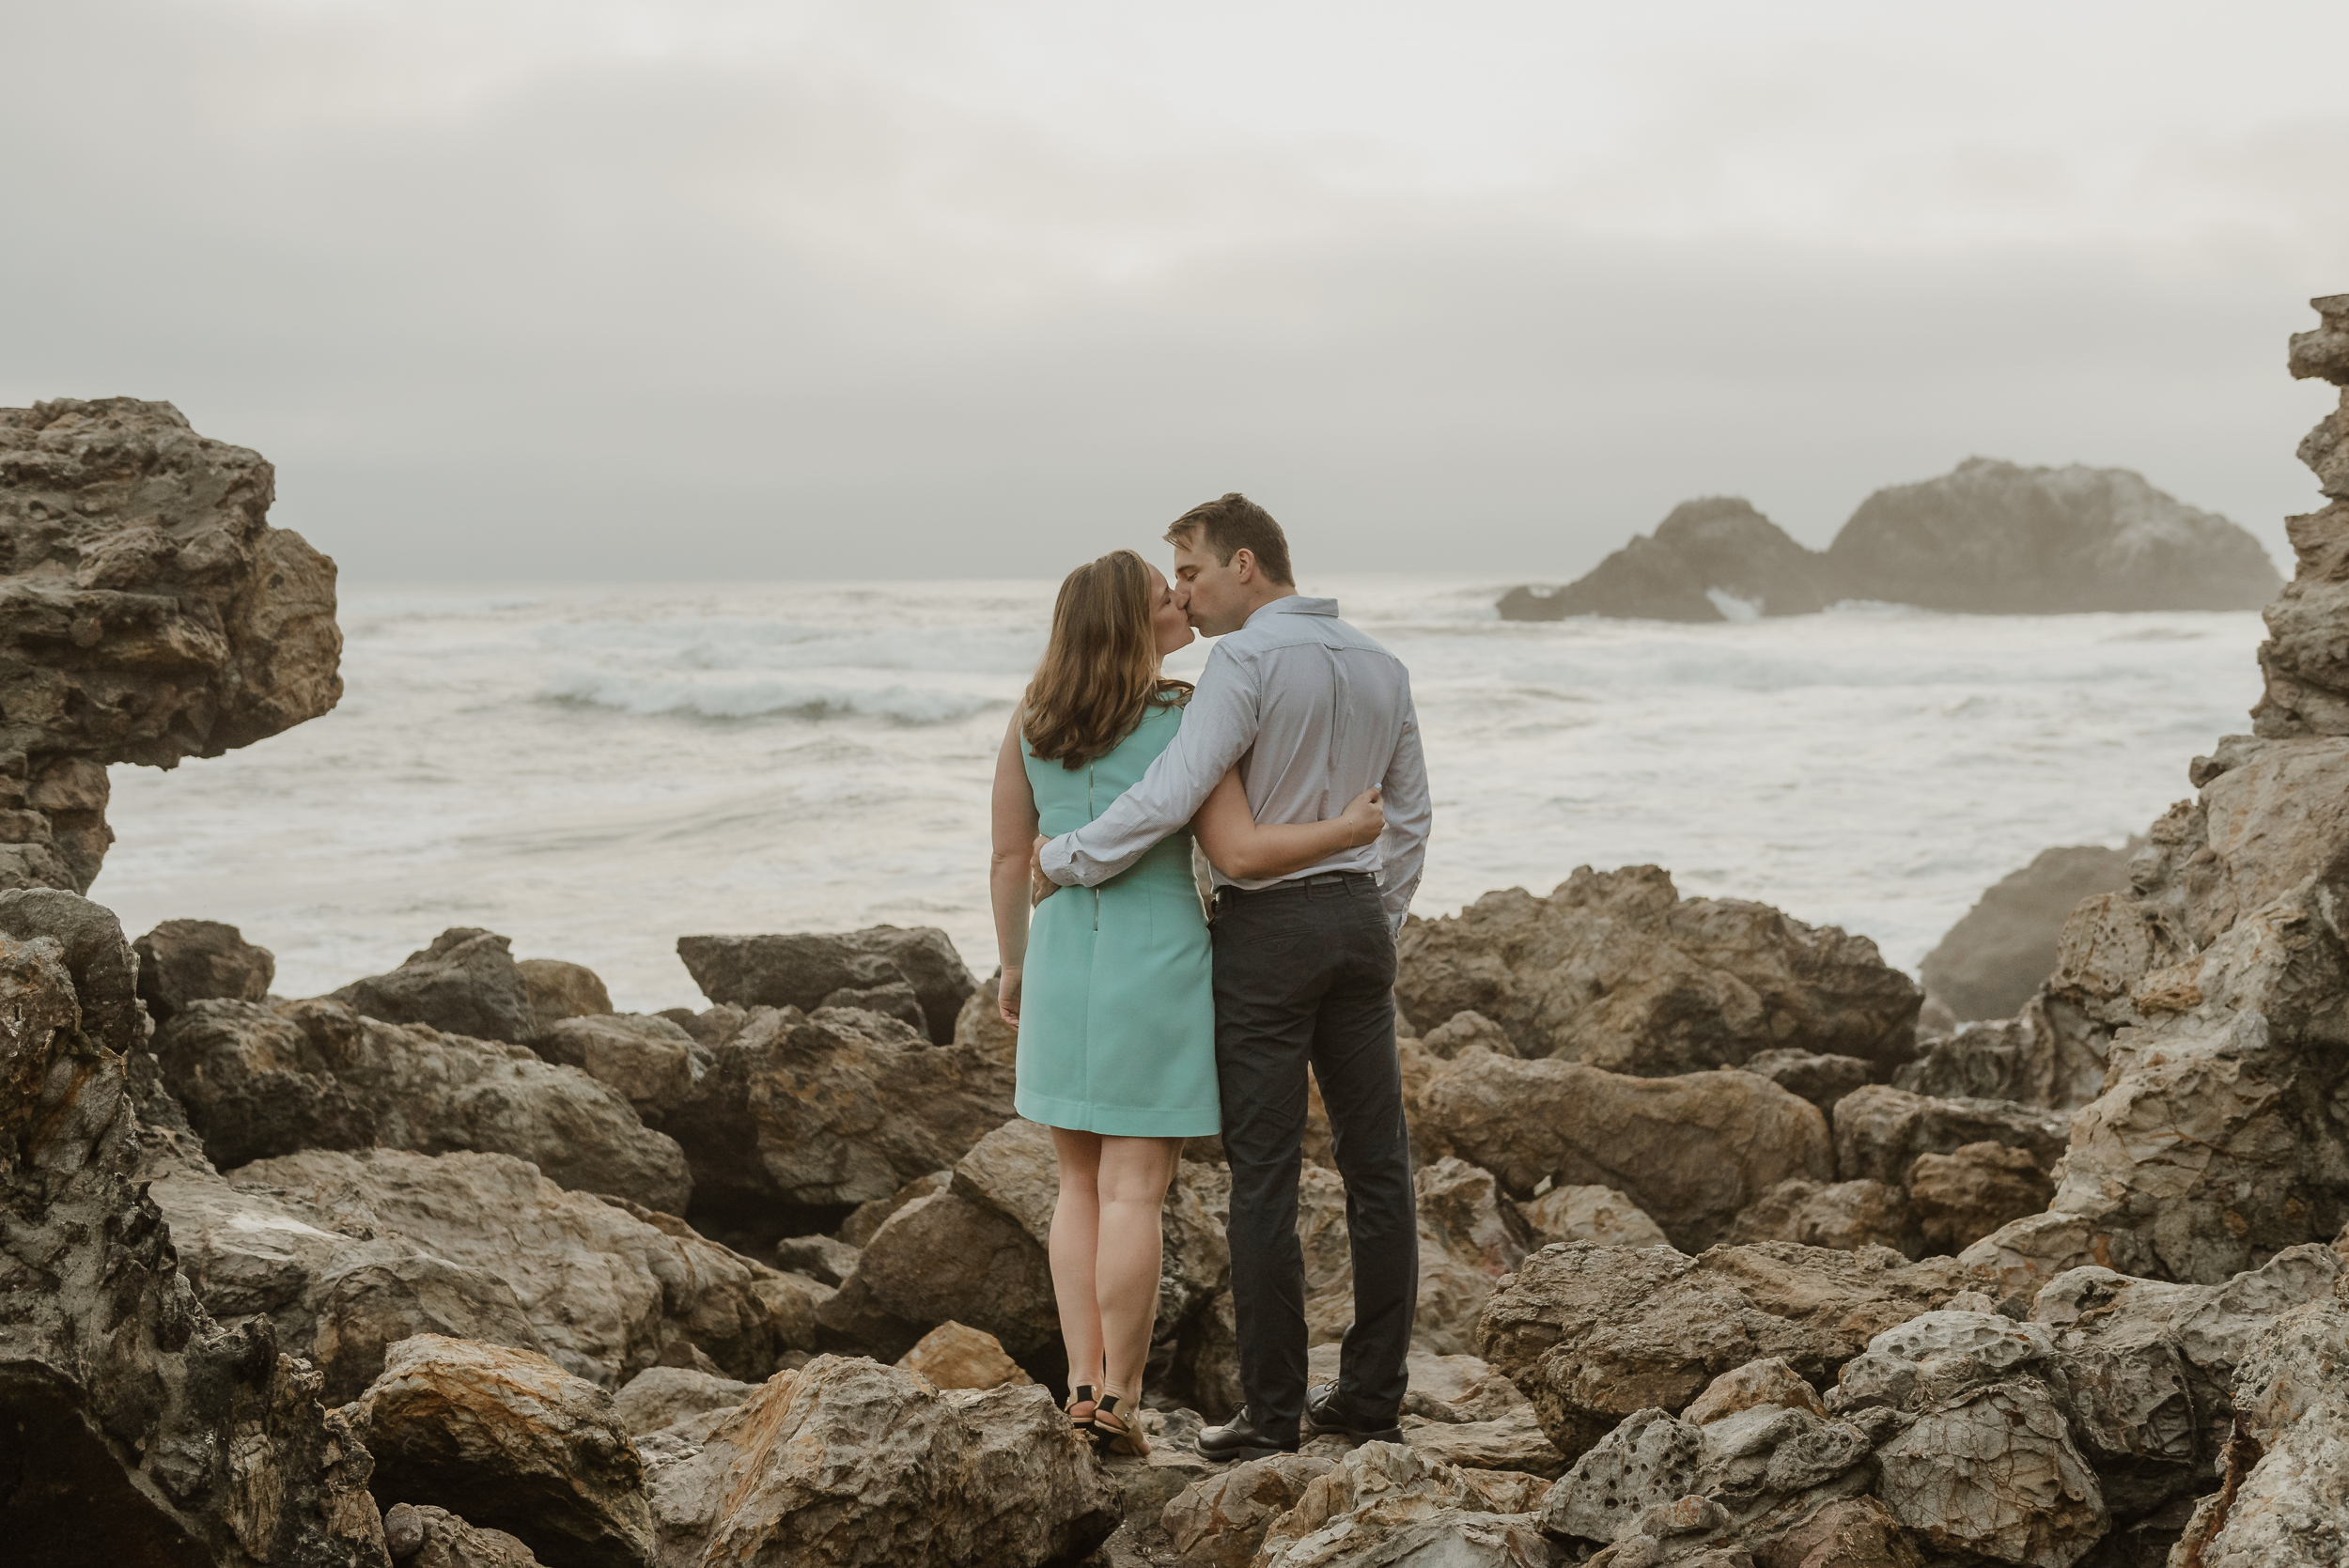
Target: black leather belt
{"x":1294,"y":884}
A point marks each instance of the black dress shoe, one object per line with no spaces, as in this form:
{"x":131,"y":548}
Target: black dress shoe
{"x":1325,"y":1412}
{"x":1241,"y":1438}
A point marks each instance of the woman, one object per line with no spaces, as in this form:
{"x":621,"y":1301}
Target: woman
{"x":1112,"y":990}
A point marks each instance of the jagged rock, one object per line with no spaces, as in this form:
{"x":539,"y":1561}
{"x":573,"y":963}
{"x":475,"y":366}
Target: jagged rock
{"x":132,"y":1427}
{"x":866,"y":1219}
{"x":1821,"y":1079}
{"x":953,"y":1356}
{"x":649,"y":1060}
{"x":2051,"y":1054}
{"x":1594,"y":1333}
{"x":1769,"y":1381}
{"x":1463,"y":1029}
{"x":148,"y":613}
{"x":1650,"y":1459}
{"x":1593,"y":1214}
{"x":1691,"y":1152}
{"x":853,"y":1462}
{"x":1353,"y":1512}
{"x":1615,"y":969}
{"x":1959,"y":1198}
{"x":980,"y":1029}
{"x":1715,"y":559}
{"x":810,"y":972}
{"x":712,"y":1026}
{"x":466,"y":983}
{"x":1845,"y":1216}
{"x":1880,"y":1130}
{"x":103,"y":971}
{"x":1850,"y":1533}
{"x":1995,"y":957}
{"x":840,"y":1106}
{"x":661,"y":1396}
{"x":512,"y":1442}
{"x":431,"y":1537}
{"x":1219,"y":1522}
{"x":2304,"y":663}
{"x":943,"y":1258}
{"x":196,"y":960}
{"x":267,"y":1080}
{"x":559,"y":990}
{"x":2284,"y":1496}
{"x":606,"y":1290}
{"x":818,"y":1257}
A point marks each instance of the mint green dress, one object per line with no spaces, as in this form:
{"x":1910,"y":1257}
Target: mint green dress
{"x":1117,"y":995}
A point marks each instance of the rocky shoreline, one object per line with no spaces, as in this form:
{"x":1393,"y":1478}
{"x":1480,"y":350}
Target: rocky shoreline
{"x":1726,"y":1260}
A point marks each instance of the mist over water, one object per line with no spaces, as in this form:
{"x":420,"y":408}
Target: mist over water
{"x":595,"y":773}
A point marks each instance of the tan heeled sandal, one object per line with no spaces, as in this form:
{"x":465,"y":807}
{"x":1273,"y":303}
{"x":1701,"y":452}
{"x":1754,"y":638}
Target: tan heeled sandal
{"x":1081,"y":1408}
{"x":1111,"y":1433}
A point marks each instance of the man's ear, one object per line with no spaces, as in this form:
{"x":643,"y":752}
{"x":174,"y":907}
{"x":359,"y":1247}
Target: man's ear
{"x":1244,"y":564}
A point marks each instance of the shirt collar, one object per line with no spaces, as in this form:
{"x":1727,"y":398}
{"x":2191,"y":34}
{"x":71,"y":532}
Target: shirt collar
{"x":1293,"y":604}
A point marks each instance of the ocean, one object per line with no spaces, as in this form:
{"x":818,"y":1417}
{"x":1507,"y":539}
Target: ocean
{"x":595,"y":771}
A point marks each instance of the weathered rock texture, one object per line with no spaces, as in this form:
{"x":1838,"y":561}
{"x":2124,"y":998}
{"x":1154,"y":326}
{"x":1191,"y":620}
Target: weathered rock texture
{"x":260,"y":1080}
{"x":134,"y":1428}
{"x":1592,"y":1334}
{"x":431,"y":1537}
{"x":148,"y":613}
{"x":1615,"y":969}
{"x":511,"y":1441}
{"x":1716,"y":559}
{"x":2002,"y":948}
{"x":850,"y":1462}
{"x":1988,"y":537}
{"x":346,"y":1253}
{"x":466,"y":983}
{"x":182,"y":962}
{"x":857,"y":969}
{"x":1691,"y":1152}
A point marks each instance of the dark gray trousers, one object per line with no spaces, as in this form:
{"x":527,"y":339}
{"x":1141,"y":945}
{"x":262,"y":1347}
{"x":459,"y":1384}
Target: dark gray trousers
{"x":1304,"y":974}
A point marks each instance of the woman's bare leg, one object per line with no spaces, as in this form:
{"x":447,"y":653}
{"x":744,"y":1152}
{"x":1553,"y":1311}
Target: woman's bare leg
{"x":1075,"y":1250}
{"x":1131,"y":1183}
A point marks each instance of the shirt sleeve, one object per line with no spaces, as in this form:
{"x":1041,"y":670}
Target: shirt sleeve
{"x":1402,"y":847}
{"x":1218,"y":724}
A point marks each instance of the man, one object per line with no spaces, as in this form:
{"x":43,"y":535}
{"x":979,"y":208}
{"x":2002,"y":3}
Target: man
{"x":1314,"y":712}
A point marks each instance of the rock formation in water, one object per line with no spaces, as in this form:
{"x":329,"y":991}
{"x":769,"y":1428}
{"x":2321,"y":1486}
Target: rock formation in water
{"x":2001,"y":950}
{"x":1989,"y":538}
{"x":148,"y":613}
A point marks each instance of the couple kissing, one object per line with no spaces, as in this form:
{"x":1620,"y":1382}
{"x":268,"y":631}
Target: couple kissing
{"x":1145,"y":1019}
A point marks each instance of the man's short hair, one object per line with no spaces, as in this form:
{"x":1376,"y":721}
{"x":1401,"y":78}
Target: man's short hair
{"x":1231,"y":523}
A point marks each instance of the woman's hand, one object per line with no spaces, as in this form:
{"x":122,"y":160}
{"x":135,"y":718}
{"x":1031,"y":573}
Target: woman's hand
{"x":1364,"y":818}
{"x":1007,"y":996}
{"x":1041,"y":887}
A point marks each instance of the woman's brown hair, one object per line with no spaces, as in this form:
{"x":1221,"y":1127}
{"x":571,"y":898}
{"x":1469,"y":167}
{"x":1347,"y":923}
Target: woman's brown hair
{"x":1100,"y":670}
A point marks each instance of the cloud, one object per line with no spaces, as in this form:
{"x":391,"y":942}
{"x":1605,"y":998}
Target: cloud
{"x":609,"y":291}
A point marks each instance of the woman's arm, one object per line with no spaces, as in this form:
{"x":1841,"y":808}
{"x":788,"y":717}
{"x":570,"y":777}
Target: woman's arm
{"x":1246,"y":849}
{"x":1012,"y":828}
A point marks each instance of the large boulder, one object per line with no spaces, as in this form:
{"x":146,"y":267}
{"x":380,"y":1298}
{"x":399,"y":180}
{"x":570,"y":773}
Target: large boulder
{"x":1220,"y":1521}
{"x":1880,"y":1131}
{"x":1713,"y":559}
{"x":269,"y":1081}
{"x":103,"y":967}
{"x":1998,"y":954}
{"x":2283,"y":1499}
{"x":1993,"y":538}
{"x":648,"y":1058}
{"x":182,"y":962}
{"x":1692,"y":1151}
{"x":511,"y":1441}
{"x":346,"y":1253}
{"x":560,"y":990}
{"x":1387,"y":1502}
{"x":839,"y":1107}
{"x":1593,"y":1214}
{"x":148,"y":613}
{"x":1615,"y":969}
{"x":849,"y":1461}
{"x":854,"y":968}
{"x":1592,"y":1334}
{"x":134,"y":1428}
{"x":465,"y":982}
{"x":2051,"y":1054}
{"x":2302,"y":659}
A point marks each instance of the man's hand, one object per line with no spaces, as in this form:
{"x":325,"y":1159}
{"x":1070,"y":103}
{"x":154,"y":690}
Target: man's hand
{"x":1041,"y":887}
{"x":1007,"y":996}
{"x":1366,"y":817}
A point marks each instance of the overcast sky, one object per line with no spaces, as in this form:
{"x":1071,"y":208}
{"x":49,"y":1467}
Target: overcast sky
{"x":579,"y":289}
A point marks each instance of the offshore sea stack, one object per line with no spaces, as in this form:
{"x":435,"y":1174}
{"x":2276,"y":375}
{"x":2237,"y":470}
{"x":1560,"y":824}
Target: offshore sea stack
{"x":148,"y":613}
{"x":1989,"y":538}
